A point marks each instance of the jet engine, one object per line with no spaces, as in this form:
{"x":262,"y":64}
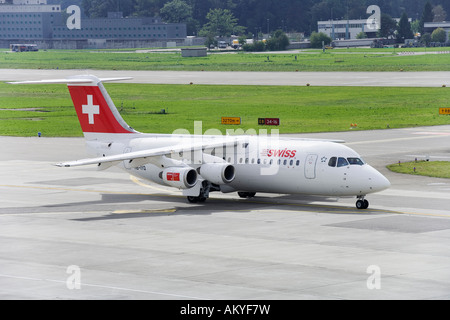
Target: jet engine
{"x":179,"y":177}
{"x":217,"y":173}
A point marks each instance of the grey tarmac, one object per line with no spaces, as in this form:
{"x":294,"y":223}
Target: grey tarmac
{"x":79,"y":233}
{"x":383,"y":79}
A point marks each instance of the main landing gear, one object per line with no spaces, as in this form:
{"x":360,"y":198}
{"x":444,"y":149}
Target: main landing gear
{"x":362,"y":203}
{"x":196,"y":199}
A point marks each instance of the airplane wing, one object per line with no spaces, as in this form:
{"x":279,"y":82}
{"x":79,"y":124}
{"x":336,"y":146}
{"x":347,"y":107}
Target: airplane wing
{"x":144,"y":156}
{"x":149,"y":153}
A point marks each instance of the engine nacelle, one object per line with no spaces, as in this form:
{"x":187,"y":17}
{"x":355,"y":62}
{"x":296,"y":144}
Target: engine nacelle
{"x":179,"y":177}
{"x":218,"y":173}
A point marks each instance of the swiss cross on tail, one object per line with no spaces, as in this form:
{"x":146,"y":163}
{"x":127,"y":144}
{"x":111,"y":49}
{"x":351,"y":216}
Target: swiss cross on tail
{"x":90,"y":109}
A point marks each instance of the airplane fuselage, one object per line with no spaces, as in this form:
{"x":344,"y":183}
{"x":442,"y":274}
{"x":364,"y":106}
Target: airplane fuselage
{"x":288,"y":166}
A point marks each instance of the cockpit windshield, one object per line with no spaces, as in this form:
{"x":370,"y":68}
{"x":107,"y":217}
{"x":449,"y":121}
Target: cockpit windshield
{"x":343,"y":162}
{"x":355,"y":161}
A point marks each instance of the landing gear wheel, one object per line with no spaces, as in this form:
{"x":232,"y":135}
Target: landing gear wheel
{"x":246,"y":194}
{"x":196,"y":199}
{"x":362,"y":204}
{"x":192,"y":199}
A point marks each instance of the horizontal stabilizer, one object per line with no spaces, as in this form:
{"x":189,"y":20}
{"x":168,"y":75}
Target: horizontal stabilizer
{"x":72,"y":80}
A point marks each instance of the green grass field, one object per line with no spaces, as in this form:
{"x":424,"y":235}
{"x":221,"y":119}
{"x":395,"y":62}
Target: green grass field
{"x":311,"y":60}
{"x":437,"y":169}
{"x":28,"y":109}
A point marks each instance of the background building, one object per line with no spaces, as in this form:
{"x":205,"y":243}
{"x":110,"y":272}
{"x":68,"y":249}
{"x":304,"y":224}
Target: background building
{"x":115,"y":27}
{"x":345,"y":29}
{"x":348,"y":29}
{"x":431,"y":26}
{"x":36,"y":21}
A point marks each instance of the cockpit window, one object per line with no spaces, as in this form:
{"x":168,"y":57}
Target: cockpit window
{"x":355,"y":161}
{"x":342,"y":162}
{"x":332,"y":162}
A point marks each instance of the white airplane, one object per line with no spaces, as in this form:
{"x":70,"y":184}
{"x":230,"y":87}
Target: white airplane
{"x":200,"y":164}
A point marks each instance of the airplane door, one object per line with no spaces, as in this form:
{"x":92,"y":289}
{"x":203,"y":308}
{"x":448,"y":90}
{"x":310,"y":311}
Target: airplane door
{"x":310,"y":166}
{"x":126,"y":163}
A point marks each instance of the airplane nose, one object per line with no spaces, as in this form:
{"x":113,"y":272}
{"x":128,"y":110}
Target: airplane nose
{"x":379,"y":182}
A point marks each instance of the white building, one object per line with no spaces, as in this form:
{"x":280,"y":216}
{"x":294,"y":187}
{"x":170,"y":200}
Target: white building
{"x":346,"y":29}
{"x":349,"y":29}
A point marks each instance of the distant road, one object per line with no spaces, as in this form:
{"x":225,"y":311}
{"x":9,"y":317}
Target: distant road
{"x":389,"y":79}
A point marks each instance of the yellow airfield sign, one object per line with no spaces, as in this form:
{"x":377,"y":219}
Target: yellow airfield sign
{"x":231,"y":120}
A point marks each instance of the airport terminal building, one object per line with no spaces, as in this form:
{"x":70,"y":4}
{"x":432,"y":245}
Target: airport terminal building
{"x":345,"y":29}
{"x":349,"y":29}
{"x":48,"y":26}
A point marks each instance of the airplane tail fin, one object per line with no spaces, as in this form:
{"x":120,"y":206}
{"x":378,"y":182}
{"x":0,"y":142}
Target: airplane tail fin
{"x":95,"y":109}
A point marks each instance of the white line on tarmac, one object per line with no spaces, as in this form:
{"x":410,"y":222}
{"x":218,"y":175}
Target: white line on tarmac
{"x":102,"y":286}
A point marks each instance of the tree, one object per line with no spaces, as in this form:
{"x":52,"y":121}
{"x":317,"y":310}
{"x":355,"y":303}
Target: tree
{"x":176,"y":11}
{"x":316,"y":39}
{"x":210,"y":41}
{"x":427,"y":16}
{"x":361,"y":35}
{"x":221,"y":23}
{"x":439,"y":35}
{"x":425,"y":39}
{"x":278,"y":42}
{"x":439,"y":14}
{"x":100,"y":8}
{"x":415,"y":26}
{"x":388,"y":26}
{"x":404,"y":29}
{"x":257,"y":46}
{"x":146,"y":8}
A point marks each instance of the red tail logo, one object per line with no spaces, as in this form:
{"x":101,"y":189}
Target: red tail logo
{"x":96,"y":111}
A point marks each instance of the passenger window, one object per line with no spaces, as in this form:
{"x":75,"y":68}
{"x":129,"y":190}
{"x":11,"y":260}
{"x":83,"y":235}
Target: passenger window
{"x":355,"y":161}
{"x":284,"y":162}
{"x":297,"y":163}
{"x":332,"y":162}
{"x":342,"y":162}
{"x":291,"y":162}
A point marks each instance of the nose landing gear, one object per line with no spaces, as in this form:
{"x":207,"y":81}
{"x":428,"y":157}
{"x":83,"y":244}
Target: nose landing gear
{"x":362,"y":203}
